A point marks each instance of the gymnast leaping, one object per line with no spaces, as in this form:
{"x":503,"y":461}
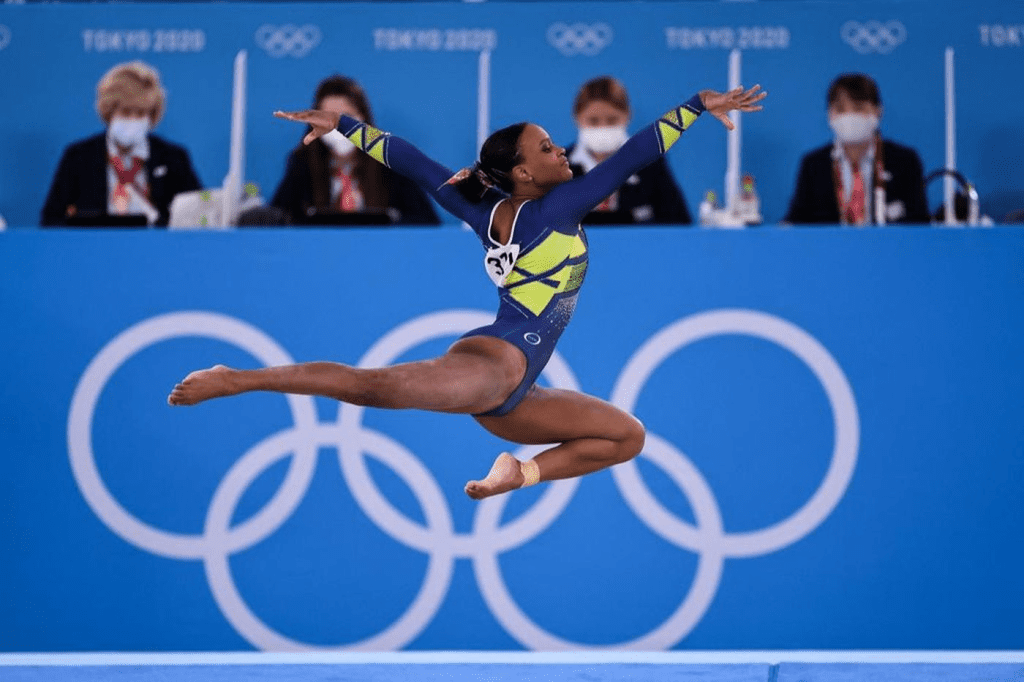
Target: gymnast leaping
{"x":525,"y":206}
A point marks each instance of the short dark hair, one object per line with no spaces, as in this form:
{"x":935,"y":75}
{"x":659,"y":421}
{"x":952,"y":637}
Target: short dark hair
{"x":860,"y":88}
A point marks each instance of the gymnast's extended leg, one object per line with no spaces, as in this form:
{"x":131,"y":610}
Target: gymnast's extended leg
{"x":592,"y":435}
{"x":475,"y":375}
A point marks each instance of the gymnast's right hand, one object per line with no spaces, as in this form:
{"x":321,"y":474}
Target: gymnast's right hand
{"x":321,"y":121}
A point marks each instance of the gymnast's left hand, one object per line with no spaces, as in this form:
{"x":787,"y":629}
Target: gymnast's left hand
{"x":321,"y":122}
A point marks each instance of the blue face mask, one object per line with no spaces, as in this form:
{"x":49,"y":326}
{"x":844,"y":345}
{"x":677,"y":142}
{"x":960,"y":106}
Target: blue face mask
{"x":128,"y":132}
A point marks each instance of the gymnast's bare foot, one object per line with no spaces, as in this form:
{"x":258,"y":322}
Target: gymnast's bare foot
{"x":203,"y":385}
{"x":505,"y":474}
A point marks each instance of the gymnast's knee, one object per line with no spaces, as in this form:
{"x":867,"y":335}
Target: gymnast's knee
{"x":632,"y":441}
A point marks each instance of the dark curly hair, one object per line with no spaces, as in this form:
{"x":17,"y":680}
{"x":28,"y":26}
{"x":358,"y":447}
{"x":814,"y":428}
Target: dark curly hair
{"x":498,"y":156}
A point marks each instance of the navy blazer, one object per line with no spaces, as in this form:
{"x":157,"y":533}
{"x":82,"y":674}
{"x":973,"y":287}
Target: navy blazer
{"x":814,"y":200}
{"x":654,"y":198}
{"x":81,"y":179}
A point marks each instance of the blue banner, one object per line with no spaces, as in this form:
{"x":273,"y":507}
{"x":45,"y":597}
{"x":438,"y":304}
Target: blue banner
{"x":438,"y":73}
{"x":834,"y":455}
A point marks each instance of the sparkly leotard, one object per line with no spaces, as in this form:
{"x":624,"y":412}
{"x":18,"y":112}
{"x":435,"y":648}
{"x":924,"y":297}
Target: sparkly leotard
{"x":540,"y":270}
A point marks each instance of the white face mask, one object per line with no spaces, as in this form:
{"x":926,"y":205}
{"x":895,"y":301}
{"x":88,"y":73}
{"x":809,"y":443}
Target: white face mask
{"x":128,"y":132}
{"x":339,"y":144}
{"x":853,"y":128}
{"x":604,"y":140}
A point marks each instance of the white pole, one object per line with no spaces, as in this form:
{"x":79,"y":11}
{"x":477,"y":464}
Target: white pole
{"x":483,"y":101}
{"x":948,"y":188}
{"x":483,"y":105}
{"x":232,"y":191}
{"x":732,"y":167}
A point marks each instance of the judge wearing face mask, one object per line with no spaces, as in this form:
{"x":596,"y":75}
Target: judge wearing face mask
{"x":650,"y":196}
{"x":859,"y":178}
{"x":126,"y":169}
{"x":329,"y":180}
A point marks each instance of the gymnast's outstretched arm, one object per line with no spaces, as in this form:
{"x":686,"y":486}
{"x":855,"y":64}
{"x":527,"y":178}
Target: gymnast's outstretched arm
{"x":569,"y":202}
{"x":397,"y":154}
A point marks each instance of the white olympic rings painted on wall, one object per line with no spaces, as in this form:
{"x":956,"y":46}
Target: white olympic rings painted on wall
{"x":579,"y":38}
{"x":436,"y":537}
{"x":86,"y":397}
{"x":840,"y":397}
{"x":288,"y":40}
{"x":5,"y":36}
{"x":873,"y":36}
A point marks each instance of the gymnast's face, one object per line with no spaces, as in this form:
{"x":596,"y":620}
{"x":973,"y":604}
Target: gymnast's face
{"x":544,"y":162}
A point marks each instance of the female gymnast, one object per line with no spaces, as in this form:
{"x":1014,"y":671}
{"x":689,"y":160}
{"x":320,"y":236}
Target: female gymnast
{"x":523,"y":203}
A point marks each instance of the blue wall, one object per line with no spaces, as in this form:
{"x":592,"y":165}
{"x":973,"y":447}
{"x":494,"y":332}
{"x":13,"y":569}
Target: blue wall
{"x":418,"y":62}
{"x":834,"y":461}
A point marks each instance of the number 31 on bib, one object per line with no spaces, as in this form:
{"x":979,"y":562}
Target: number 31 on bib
{"x":499,"y":262}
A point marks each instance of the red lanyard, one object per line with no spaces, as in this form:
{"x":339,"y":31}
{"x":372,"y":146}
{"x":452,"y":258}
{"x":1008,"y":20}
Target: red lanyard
{"x":837,"y":179}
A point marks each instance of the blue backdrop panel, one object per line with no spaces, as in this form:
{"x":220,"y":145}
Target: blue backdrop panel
{"x":420,"y":64}
{"x":833,"y":462}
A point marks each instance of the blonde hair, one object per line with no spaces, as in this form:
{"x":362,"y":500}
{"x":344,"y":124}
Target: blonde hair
{"x":131,"y":83}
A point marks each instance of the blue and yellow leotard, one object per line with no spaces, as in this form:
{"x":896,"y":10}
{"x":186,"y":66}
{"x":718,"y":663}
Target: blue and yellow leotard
{"x":540,"y":271}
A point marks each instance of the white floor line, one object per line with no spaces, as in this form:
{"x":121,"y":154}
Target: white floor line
{"x":508,"y":657}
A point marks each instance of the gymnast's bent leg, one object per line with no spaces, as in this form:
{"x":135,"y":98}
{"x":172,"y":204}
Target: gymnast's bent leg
{"x":474,"y":376}
{"x":593,"y":434}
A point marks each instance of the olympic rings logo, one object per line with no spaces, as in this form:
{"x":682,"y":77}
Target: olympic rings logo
{"x":579,"y":38}
{"x":873,"y":36}
{"x":5,"y":36}
{"x":435,"y":536}
{"x":288,"y":40}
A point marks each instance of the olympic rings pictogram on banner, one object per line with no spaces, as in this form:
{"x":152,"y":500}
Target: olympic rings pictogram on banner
{"x":288,"y":40}
{"x":873,"y":36}
{"x":5,"y":36}
{"x":436,"y":536}
{"x":579,"y":38}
